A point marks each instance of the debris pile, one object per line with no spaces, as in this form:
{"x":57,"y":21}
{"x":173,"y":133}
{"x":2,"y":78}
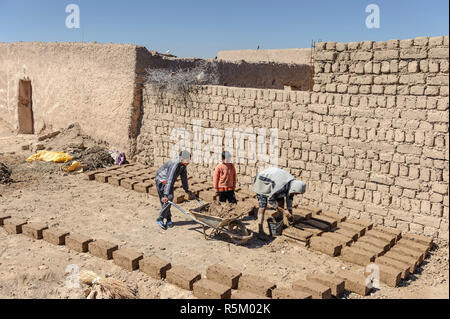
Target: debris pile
{"x":5,"y":174}
{"x":225,"y":210}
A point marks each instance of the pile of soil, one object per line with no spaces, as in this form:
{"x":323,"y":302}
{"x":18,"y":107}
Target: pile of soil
{"x":226,"y":210}
{"x":93,"y":158}
{"x":5,"y":174}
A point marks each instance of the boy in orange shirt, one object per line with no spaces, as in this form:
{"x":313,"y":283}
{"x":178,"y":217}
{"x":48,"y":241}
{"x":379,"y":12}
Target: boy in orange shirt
{"x":225,"y":179}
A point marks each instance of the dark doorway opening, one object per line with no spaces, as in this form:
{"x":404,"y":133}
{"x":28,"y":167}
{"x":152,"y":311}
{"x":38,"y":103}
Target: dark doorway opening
{"x":25,"y":108}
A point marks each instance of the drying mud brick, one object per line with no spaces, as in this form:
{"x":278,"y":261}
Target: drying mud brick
{"x":182,"y":277}
{"x":389,"y":230}
{"x":390,"y":276}
{"x":3,"y":217}
{"x":325,"y":246}
{"x":208,"y":196}
{"x":324,"y":219}
{"x":284,"y":293}
{"x":317,"y":290}
{"x":301,"y":214}
{"x":256,"y":285}
{"x":78,"y":242}
{"x":420,"y":239}
{"x":317,"y":224}
{"x":357,"y":256}
{"x":154,"y":266}
{"x":336,"y":284}
{"x":223,"y":275}
{"x":127,"y":258}
{"x":153,"y":191}
{"x":128,"y":183}
{"x":384,"y":245}
{"x":313,"y":210}
{"x":90,"y":176}
{"x":142,"y":187}
{"x":338,"y":217}
{"x":102,"y":249}
{"x":403,"y":267}
{"x":142,"y":179}
{"x":102,"y":177}
{"x":377,"y":251}
{"x":361,"y":222}
{"x":361,"y":230}
{"x":208,"y":289}
{"x":382,"y":236}
{"x":413,"y":245}
{"x":297,"y":235}
{"x":354,"y":282}
{"x":354,"y":235}
{"x":33,"y":230}
{"x":115,"y":180}
{"x":409,"y":252}
{"x":339,"y":238}
{"x":242,"y":294}
{"x":412,"y":262}
{"x":55,"y":236}
{"x":14,"y":225}
{"x":178,"y":199}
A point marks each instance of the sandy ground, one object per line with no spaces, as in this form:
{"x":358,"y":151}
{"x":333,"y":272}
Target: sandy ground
{"x":37,"y":269}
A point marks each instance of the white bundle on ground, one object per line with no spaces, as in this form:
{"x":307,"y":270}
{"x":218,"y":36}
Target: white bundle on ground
{"x":105,"y":288}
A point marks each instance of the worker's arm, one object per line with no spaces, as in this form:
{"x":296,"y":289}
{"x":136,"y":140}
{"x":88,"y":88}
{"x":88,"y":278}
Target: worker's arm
{"x":234,"y":178}
{"x":216,"y":178}
{"x":184,"y":180}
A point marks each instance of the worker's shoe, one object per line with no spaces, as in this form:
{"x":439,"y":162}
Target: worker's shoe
{"x":169,"y":223}
{"x":161,"y":224}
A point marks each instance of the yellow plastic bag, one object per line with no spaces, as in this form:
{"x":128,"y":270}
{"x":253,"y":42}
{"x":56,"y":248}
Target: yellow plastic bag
{"x":49,"y":156}
{"x":75,"y":166}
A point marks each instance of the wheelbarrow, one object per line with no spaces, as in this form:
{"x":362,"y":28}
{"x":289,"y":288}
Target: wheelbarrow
{"x":213,"y":226}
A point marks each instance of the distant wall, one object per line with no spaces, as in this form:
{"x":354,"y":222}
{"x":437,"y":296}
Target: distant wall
{"x":295,"y":56}
{"x":89,"y":83}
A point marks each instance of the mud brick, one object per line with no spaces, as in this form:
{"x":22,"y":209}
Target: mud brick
{"x":127,"y":258}
{"x":361,"y":230}
{"x":142,"y":187}
{"x":297,"y":235}
{"x":284,"y":293}
{"x":414,"y":246}
{"x":178,"y":199}
{"x":112,"y":168}
{"x":14,"y":225}
{"x":420,"y":239}
{"x":313,"y":210}
{"x":78,"y":242}
{"x":142,"y":178}
{"x":128,"y":183}
{"x":388,"y":230}
{"x":346,"y":232}
{"x":382,"y":236}
{"x":195,"y":192}
{"x":403,"y":267}
{"x":338,"y":217}
{"x":223,"y":275}
{"x":325,"y":246}
{"x":375,"y":242}
{"x":377,"y":251}
{"x":317,"y":290}
{"x":182,"y":277}
{"x":409,"y":252}
{"x":339,"y":238}
{"x":154,"y":266}
{"x":242,"y":294}
{"x":55,"y":236}
{"x":102,"y":249}
{"x":308,"y":228}
{"x":90,"y":176}
{"x":412,"y":262}
{"x":194,"y":181}
{"x":354,"y":282}
{"x":324,"y":219}
{"x":114,"y":173}
{"x":3,"y":217}
{"x":208,"y":289}
{"x":357,"y":256}
{"x":302,"y":213}
{"x":317,"y":224}
{"x":390,"y":276}
{"x":126,"y":175}
{"x":367,"y":224}
{"x":335,"y":284}
{"x":208,"y":196}
{"x":256,"y":285}
{"x":102,"y":177}
{"x":33,"y":230}
{"x":115,"y":180}
{"x":153,"y":191}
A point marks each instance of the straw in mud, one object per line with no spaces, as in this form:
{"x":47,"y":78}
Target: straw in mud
{"x":105,"y":288}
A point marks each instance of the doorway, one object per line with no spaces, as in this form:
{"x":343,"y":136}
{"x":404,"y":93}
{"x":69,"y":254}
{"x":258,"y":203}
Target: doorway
{"x":25,"y":108}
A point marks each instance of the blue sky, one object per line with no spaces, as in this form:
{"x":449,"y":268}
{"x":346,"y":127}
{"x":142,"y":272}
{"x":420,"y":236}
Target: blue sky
{"x":201,"y":28}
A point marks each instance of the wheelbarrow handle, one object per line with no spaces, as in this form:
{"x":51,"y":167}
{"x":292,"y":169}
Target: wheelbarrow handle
{"x":196,"y":198}
{"x":181,"y":209}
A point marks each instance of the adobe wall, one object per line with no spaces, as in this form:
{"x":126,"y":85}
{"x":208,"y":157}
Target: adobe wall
{"x":295,"y":56}
{"x":378,"y":149}
{"x":89,"y":83}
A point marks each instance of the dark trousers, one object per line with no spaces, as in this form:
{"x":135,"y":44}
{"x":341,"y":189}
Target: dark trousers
{"x":165,"y":208}
{"x":227,"y":196}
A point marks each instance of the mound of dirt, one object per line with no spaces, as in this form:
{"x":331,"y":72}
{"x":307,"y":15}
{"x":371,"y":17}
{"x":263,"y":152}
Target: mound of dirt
{"x":5,"y":174}
{"x":93,"y":158}
{"x":226,"y":210}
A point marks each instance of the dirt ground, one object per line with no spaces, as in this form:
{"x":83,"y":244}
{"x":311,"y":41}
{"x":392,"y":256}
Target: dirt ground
{"x":37,"y":269}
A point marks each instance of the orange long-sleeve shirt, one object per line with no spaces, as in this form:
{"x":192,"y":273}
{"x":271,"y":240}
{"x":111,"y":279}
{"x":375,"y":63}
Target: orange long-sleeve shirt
{"x":224,"y":177}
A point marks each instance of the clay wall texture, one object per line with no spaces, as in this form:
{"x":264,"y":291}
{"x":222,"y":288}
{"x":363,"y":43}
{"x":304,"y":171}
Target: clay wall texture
{"x":295,"y":56}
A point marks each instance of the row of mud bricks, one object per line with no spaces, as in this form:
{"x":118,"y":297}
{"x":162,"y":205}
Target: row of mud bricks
{"x":360,"y":242}
{"x":141,"y":179}
{"x":220,"y":282}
